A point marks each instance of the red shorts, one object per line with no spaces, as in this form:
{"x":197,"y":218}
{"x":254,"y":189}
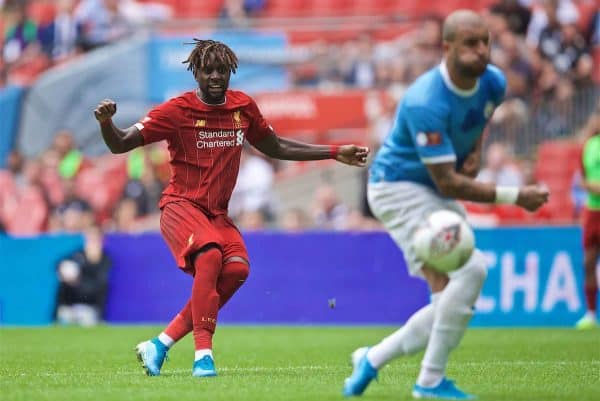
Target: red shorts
{"x":591,"y":228}
{"x":186,"y":229}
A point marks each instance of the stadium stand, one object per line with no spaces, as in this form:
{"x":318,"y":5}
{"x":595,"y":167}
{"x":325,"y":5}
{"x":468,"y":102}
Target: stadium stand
{"x":353,"y":54}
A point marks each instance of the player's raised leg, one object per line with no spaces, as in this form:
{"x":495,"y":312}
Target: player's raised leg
{"x":409,"y":339}
{"x":451,"y":317}
{"x":233,"y":275}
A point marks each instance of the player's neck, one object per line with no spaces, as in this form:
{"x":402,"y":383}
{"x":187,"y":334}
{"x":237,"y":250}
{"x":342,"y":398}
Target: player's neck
{"x":464,"y":86}
{"x":216,"y":103}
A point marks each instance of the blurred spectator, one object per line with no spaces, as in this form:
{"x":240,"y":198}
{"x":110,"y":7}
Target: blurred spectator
{"x":512,"y":57}
{"x":126,"y":216}
{"x":516,"y":15}
{"x":22,"y":51}
{"x":103,"y":22}
{"x":328,"y":210}
{"x":593,"y":32}
{"x":254,"y":188}
{"x":21,"y":31}
{"x":294,"y":220}
{"x":73,"y":214}
{"x":26,"y":210}
{"x":251,"y":221}
{"x":565,"y":47}
{"x":550,"y":12}
{"x":143,"y":186}
{"x":499,"y":169}
{"x":233,"y":15}
{"x":61,"y":38}
{"x":361,"y":71}
{"x":71,"y":160}
{"x":83,"y":282}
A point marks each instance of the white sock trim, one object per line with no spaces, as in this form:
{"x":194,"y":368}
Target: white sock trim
{"x":166,"y":340}
{"x":201,"y":353}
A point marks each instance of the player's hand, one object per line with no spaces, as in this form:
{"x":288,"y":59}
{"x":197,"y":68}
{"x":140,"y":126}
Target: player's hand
{"x":532,"y":197}
{"x":105,"y":110}
{"x":353,"y":155}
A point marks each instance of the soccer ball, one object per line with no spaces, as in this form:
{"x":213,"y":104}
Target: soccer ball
{"x":444,"y":242}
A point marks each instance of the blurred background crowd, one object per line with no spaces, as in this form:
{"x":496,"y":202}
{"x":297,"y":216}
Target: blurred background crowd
{"x":548,"y":49}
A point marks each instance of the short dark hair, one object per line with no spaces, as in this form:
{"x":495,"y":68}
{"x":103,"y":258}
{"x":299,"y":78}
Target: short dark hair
{"x":202,"y":48}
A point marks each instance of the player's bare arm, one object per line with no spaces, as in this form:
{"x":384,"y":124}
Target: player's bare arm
{"x":288,"y":149}
{"x":472,"y":163}
{"x":452,"y":184}
{"x":117,"y":140}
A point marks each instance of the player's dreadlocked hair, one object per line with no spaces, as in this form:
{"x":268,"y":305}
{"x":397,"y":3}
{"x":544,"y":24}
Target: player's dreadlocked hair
{"x":199,"y":55}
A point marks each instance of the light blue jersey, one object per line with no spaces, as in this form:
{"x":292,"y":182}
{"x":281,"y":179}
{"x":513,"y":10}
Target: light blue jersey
{"x":436,"y":122}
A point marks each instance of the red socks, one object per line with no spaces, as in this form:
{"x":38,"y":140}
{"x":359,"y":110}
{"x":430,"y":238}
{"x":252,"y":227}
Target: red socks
{"x":205,"y":299}
{"x":591,"y":296}
{"x":214,"y":284}
{"x":181,"y":324}
{"x":233,"y":275}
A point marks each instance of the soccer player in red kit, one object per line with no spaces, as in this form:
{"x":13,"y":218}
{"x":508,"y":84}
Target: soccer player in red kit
{"x":205,"y":130}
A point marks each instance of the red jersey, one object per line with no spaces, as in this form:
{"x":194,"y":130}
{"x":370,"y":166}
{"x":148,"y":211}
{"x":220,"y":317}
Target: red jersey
{"x":205,"y":144}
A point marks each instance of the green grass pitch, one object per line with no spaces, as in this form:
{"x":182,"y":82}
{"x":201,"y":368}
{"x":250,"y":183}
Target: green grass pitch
{"x":262,"y":363}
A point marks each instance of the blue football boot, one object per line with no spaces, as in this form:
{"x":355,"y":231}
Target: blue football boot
{"x":204,"y":367}
{"x":152,"y":355}
{"x":446,"y":390}
{"x":362,"y":374}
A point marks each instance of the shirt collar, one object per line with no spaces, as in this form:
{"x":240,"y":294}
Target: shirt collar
{"x":453,"y":88}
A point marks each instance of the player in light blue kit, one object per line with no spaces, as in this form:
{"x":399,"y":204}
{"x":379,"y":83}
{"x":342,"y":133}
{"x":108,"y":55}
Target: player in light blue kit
{"x":429,"y":159}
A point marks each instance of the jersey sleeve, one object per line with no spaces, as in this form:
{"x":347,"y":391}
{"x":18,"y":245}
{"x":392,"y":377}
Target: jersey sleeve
{"x":498,"y":82}
{"x":429,"y":134}
{"x":259,"y":128}
{"x":158,"y":123}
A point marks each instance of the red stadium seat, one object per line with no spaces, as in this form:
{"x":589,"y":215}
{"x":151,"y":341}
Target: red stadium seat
{"x":201,"y":9}
{"x":284,"y":8}
{"x":370,"y":7}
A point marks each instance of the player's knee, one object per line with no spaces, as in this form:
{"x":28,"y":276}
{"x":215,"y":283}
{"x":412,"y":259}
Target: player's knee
{"x":475,"y":270}
{"x":237,"y":268}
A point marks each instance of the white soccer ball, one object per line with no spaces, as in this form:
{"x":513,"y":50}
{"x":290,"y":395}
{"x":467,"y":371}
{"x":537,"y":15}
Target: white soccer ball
{"x":444,"y":242}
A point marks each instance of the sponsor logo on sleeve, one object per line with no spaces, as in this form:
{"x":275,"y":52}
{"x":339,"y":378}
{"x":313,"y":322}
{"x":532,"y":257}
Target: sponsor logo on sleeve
{"x":428,"y":138}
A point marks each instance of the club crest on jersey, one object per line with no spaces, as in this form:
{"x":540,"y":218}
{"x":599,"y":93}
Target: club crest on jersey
{"x":200,"y":123}
{"x":237,"y":119}
{"x":428,"y":138}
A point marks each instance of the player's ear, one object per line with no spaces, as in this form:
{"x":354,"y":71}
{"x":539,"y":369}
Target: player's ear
{"x":446,"y":46}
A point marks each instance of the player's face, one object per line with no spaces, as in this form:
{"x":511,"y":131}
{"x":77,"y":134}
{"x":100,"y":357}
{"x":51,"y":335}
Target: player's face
{"x":213,"y":80}
{"x":470,"y":50}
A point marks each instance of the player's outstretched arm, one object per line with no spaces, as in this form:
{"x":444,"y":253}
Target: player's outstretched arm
{"x":117,"y":140}
{"x":458,"y":186}
{"x":288,"y":149}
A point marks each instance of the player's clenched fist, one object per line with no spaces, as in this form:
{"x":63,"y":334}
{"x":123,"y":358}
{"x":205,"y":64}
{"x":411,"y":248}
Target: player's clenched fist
{"x":105,"y":110}
{"x":352,"y":155}
{"x":532,"y":197}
